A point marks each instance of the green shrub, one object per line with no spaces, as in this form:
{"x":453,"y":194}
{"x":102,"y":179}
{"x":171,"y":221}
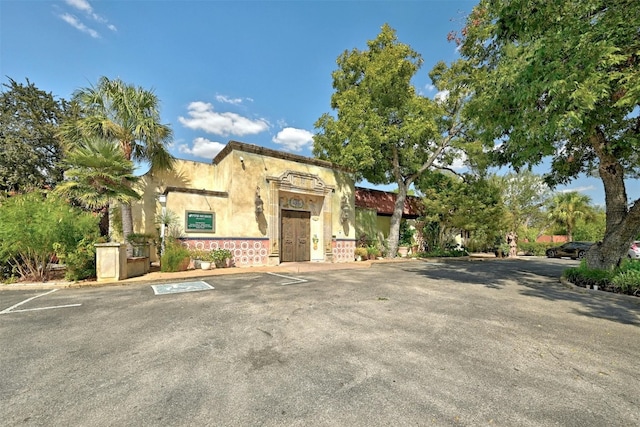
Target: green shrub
{"x":586,"y":277}
{"x":202,"y":255}
{"x":7,"y":272}
{"x":406,"y":234}
{"x":373,"y":251}
{"x":361,"y":252}
{"x":35,"y":227}
{"x":624,"y":279}
{"x":534,"y":248}
{"x":438,"y":252}
{"x":174,"y":256}
{"x":627,"y":278}
{"x":629,"y":264}
{"x":627,"y":282}
{"x":81,"y":263}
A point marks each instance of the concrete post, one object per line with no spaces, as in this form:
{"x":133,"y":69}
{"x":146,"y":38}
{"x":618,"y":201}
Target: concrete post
{"x":111,"y":261}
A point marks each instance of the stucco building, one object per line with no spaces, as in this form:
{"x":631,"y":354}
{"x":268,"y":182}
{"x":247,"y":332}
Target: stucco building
{"x":265,"y":206}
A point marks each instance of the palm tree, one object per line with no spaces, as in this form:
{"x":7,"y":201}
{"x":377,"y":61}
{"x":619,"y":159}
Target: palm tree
{"x":565,"y":208}
{"x":116,"y":111}
{"x":98,"y":173}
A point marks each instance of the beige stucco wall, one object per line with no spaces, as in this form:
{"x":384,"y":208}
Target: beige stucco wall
{"x":384,"y":225}
{"x":186,"y":174}
{"x":230,"y":188}
{"x":244,"y":177}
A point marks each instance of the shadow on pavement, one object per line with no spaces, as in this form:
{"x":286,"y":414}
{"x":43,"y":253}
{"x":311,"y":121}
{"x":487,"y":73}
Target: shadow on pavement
{"x":540,"y":279}
{"x":599,"y":304}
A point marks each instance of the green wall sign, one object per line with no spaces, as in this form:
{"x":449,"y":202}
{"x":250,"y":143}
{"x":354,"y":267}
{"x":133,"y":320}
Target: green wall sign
{"x":200,"y":222}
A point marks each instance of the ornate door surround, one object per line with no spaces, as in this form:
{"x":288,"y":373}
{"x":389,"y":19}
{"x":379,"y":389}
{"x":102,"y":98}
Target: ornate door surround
{"x":298,"y":184}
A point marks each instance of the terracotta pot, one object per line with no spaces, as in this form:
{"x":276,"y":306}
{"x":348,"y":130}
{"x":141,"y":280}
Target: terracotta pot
{"x":184,"y":264}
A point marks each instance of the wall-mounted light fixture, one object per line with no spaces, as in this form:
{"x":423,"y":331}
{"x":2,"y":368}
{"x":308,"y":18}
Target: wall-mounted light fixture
{"x":259,"y":203}
{"x":344,"y":210}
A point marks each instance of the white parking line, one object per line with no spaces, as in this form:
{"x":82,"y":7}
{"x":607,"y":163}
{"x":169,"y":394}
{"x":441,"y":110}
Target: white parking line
{"x":11,"y":309}
{"x":296,"y":279}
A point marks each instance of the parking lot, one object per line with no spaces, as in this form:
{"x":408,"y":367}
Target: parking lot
{"x":461,"y":342}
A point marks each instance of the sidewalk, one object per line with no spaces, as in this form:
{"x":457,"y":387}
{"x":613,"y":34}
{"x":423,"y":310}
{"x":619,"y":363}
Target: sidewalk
{"x":157,"y":276}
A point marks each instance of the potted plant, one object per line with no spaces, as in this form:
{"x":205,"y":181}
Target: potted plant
{"x":175,"y":258}
{"x":373,"y":252}
{"x":360,"y":253}
{"x":207,"y":260}
{"x":196,"y":256}
{"x":222,"y":258}
{"x":139,"y":243}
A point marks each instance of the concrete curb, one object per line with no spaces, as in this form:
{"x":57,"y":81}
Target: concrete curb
{"x":157,"y":277}
{"x":596,"y":292}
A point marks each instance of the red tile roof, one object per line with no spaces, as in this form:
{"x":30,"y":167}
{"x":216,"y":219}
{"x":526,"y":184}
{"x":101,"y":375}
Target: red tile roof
{"x":383,"y":202}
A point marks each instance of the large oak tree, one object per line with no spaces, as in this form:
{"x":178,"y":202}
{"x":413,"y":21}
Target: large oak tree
{"x":561,"y":81}
{"x":382,"y":128}
{"x":30,"y":150}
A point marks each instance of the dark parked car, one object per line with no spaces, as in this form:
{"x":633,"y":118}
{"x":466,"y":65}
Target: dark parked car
{"x":573,"y":250}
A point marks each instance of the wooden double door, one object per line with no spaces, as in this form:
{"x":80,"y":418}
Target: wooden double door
{"x":296,"y":230}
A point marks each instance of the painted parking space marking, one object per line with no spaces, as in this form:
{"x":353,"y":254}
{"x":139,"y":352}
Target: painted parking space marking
{"x":295,"y":281}
{"x":12,"y":308}
{"x":177,"y":288}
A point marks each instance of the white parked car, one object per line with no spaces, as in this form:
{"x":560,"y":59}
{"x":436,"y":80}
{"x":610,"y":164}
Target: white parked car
{"x":634,"y":250}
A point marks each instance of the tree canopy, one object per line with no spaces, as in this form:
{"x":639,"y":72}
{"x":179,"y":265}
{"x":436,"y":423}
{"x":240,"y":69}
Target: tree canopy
{"x":97,"y":174}
{"x":129,"y":115}
{"x":565,"y":209}
{"x":473,"y":205}
{"x":30,"y":149}
{"x":525,"y":194}
{"x":562,"y":82}
{"x":384,"y":130}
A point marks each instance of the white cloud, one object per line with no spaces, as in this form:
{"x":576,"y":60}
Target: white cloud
{"x":457,"y":158}
{"x":203,"y":117}
{"x":235,"y":101}
{"x":430,"y":88}
{"x":441,"y":96}
{"x":85,"y":7}
{"x":202,"y":147}
{"x":82,"y":5}
{"x":75,"y":23}
{"x":459,"y":163}
{"x":293,"y":139}
{"x":582,"y":189}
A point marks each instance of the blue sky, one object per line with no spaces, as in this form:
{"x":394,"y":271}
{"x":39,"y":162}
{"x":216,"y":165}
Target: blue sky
{"x":252,"y":71}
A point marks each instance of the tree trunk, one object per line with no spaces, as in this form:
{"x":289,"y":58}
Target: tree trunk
{"x":127,"y":225}
{"x":398,"y":208}
{"x":623,"y":224}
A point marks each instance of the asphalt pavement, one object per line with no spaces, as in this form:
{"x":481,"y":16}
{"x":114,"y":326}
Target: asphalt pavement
{"x":453,"y":342}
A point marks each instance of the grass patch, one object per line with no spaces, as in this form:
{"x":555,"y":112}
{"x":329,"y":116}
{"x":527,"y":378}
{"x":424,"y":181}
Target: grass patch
{"x":622,"y":280}
{"x":443,"y":253}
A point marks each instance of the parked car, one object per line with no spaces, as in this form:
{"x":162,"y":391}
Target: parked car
{"x":573,"y":250}
{"x":634,"y":250}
